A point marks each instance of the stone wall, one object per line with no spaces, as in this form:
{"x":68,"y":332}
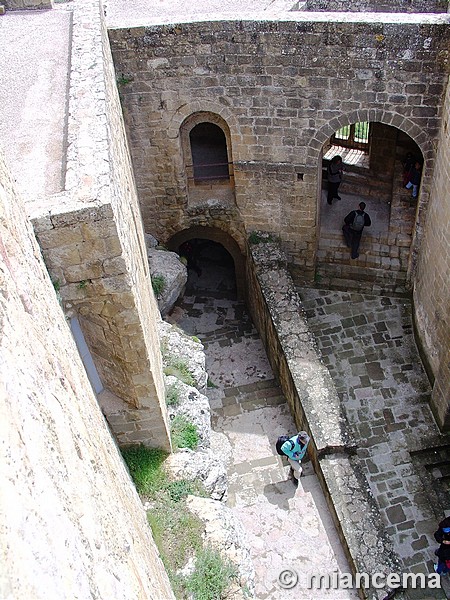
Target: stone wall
{"x":407,"y":6}
{"x":283,"y":88}
{"x":27,"y":4}
{"x":93,"y":242}
{"x":432,"y":282}
{"x":70,"y":518}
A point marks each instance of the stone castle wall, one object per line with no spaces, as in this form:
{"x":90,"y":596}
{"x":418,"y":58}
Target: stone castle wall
{"x":432,"y":283}
{"x":93,"y":244}
{"x":283,"y":88}
{"x":71,"y":520}
{"x":27,"y":4}
{"x":407,"y":6}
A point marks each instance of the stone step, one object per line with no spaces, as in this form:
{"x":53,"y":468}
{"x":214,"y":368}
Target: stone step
{"x":361,"y":278}
{"x":248,"y":397}
{"x":366,"y":259}
{"x":377,"y":243}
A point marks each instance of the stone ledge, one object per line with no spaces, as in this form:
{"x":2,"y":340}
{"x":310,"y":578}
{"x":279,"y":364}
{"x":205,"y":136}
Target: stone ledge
{"x":312,"y":397}
{"x":358,"y":520}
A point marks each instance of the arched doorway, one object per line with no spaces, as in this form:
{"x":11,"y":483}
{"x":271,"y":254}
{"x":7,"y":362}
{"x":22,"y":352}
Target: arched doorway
{"x":373,"y":174}
{"x":206,"y":255}
{"x":210,"y":268}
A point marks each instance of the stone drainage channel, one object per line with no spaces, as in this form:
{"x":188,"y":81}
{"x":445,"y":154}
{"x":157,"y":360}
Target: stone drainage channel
{"x":290,"y":528}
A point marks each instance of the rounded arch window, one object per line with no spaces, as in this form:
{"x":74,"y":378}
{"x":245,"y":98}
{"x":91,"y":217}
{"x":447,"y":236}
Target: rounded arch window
{"x":209,"y":152}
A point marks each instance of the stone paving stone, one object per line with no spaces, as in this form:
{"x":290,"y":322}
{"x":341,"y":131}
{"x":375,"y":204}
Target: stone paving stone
{"x":283,"y":523}
{"x":388,"y":424}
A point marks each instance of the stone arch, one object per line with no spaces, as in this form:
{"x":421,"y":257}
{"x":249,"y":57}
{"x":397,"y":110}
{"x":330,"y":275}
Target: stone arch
{"x":194,"y":119}
{"x":221,"y":237}
{"x":425,"y":143}
{"x":185,"y":111}
{"x":416,"y":133}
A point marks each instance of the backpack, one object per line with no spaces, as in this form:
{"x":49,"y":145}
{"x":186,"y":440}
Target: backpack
{"x":358,"y":222}
{"x":280,"y":442}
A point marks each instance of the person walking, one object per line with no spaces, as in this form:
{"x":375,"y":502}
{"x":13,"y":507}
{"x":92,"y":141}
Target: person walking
{"x":443,"y":554}
{"x":295,"y":449}
{"x":334,"y":172}
{"x":354,"y":224}
{"x":414,"y":177}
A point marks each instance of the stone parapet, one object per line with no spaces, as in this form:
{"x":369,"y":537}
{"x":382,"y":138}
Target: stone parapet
{"x":28,"y":4}
{"x":315,"y":405}
{"x":360,"y":526}
{"x":70,"y":517}
{"x":276,"y":310}
{"x":398,"y":6}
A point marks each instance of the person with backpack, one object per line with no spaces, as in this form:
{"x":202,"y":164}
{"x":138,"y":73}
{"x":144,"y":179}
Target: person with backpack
{"x":354,"y":224}
{"x":334,"y":175}
{"x":295,"y":449}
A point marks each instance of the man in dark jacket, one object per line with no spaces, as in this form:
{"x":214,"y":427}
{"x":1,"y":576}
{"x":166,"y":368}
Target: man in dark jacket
{"x":354,"y":224}
{"x":334,"y":171}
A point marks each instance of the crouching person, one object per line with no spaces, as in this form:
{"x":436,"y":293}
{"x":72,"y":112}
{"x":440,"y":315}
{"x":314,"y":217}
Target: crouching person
{"x":295,"y":449}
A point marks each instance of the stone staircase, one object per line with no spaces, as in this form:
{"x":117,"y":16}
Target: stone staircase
{"x":384,"y":257}
{"x":379,"y":269}
{"x":434,"y":469}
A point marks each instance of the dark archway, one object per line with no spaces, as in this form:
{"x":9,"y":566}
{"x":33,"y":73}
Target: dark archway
{"x":375,"y":176}
{"x":210,"y":269}
{"x":220,"y":237}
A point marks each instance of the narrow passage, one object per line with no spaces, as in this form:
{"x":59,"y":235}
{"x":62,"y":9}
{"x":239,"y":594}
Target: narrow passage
{"x":287,"y":527}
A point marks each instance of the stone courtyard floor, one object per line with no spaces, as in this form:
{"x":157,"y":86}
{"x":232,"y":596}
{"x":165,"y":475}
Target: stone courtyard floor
{"x":367,"y":343}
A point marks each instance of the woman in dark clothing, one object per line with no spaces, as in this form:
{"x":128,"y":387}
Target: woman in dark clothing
{"x":334,"y":171}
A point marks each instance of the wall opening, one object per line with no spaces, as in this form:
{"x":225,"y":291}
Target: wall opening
{"x":200,"y":246}
{"x":378,"y":180}
{"x":209,"y":153}
{"x":208,"y":162}
{"x":210,"y":268}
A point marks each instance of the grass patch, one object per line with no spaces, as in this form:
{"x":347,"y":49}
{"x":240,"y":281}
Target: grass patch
{"x":176,"y":531}
{"x":158,"y":284}
{"x":179,"y":369}
{"x":145,"y":466}
{"x":172,"y":395}
{"x":184,"y":433}
{"x":261,"y":237}
{"x":212,"y":575}
{"x":211,"y":384}
{"x":124,"y":80}
{"x":178,"y":537}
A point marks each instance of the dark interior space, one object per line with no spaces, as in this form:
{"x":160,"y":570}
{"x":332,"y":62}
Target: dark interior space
{"x":209,"y":153}
{"x":210,"y":268}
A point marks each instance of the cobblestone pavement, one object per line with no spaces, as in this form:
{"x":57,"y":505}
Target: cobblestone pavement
{"x":287,"y":527}
{"x":368,"y":345}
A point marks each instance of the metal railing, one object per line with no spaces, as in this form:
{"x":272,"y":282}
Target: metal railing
{"x":198,"y":177}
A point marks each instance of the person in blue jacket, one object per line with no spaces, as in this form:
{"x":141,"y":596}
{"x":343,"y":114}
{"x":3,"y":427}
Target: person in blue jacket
{"x":295,"y":449}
